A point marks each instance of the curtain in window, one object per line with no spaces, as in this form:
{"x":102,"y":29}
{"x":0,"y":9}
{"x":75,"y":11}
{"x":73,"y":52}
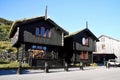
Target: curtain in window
{"x":84,"y":55}
{"x":85,"y":41}
{"x":42,"y":31}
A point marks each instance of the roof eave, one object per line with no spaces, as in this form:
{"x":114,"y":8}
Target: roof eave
{"x":52,"y":22}
{"x":12,"y":28}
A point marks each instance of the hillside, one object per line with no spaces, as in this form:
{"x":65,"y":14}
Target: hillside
{"x":5,"y":44}
{"x":5,"y":21}
{"x":4,"y":28}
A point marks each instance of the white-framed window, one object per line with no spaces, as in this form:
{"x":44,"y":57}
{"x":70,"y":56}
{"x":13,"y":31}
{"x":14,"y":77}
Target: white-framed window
{"x":85,"y":41}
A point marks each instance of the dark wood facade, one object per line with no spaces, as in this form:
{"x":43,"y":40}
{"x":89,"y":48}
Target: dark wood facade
{"x":37,"y":35}
{"x":25,"y":31}
{"x":79,"y":46}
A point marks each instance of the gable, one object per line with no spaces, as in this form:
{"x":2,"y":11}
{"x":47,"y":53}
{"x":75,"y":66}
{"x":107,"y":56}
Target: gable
{"x":83,"y":33}
{"x":104,"y":36}
{"x":19,"y":23}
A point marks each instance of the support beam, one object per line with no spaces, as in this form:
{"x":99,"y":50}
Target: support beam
{"x":19,"y":71}
{"x":66,"y":66}
{"x":46,"y":67}
{"x":21,"y":51}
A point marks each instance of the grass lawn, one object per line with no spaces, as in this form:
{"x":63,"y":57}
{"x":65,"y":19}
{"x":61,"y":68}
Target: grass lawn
{"x":12,"y":64}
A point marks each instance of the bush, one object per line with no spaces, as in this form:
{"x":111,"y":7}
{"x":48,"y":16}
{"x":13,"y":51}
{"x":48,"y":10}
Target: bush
{"x":93,"y":64}
{"x":12,"y":64}
{"x":4,"y":62}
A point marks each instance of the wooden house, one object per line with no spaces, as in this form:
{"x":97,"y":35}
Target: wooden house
{"x":79,"y":46}
{"x":107,"y":48}
{"x":37,"y":39}
{"x":41,"y":42}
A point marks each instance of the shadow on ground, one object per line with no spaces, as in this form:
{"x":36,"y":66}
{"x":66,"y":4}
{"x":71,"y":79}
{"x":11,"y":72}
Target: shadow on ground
{"x":7,"y":72}
{"x":14,"y":72}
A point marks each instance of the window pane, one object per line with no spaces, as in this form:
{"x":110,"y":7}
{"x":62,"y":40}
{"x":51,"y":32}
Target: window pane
{"x":103,"y":46}
{"x":39,"y":47}
{"x":47,"y":33}
{"x":44,"y":48}
{"x":102,"y":39}
{"x":85,"y":41}
{"x":33,"y":47}
{"x":44,"y":34}
{"x":84,"y":55}
{"x":42,"y":31}
{"x":37,"y":31}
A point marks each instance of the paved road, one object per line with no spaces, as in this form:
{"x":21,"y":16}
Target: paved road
{"x":90,"y":73}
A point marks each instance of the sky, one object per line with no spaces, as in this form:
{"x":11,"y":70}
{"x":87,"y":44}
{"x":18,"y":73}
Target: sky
{"x":103,"y":16}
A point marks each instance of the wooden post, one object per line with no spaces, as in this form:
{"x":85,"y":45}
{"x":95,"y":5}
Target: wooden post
{"x":66,"y":66}
{"x":81,"y":66}
{"x":19,"y":71}
{"x":21,"y":51}
{"x":46,"y":67}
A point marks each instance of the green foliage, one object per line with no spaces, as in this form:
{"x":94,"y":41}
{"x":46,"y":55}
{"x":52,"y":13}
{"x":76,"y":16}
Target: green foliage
{"x":4,"y":62}
{"x":6,"y":22}
{"x":11,"y":49}
{"x":4,"y":30}
{"x":13,"y":64}
{"x":93,"y":64}
{"x":5,"y":26}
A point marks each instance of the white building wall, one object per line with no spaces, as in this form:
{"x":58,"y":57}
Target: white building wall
{"x":108,"y":45}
